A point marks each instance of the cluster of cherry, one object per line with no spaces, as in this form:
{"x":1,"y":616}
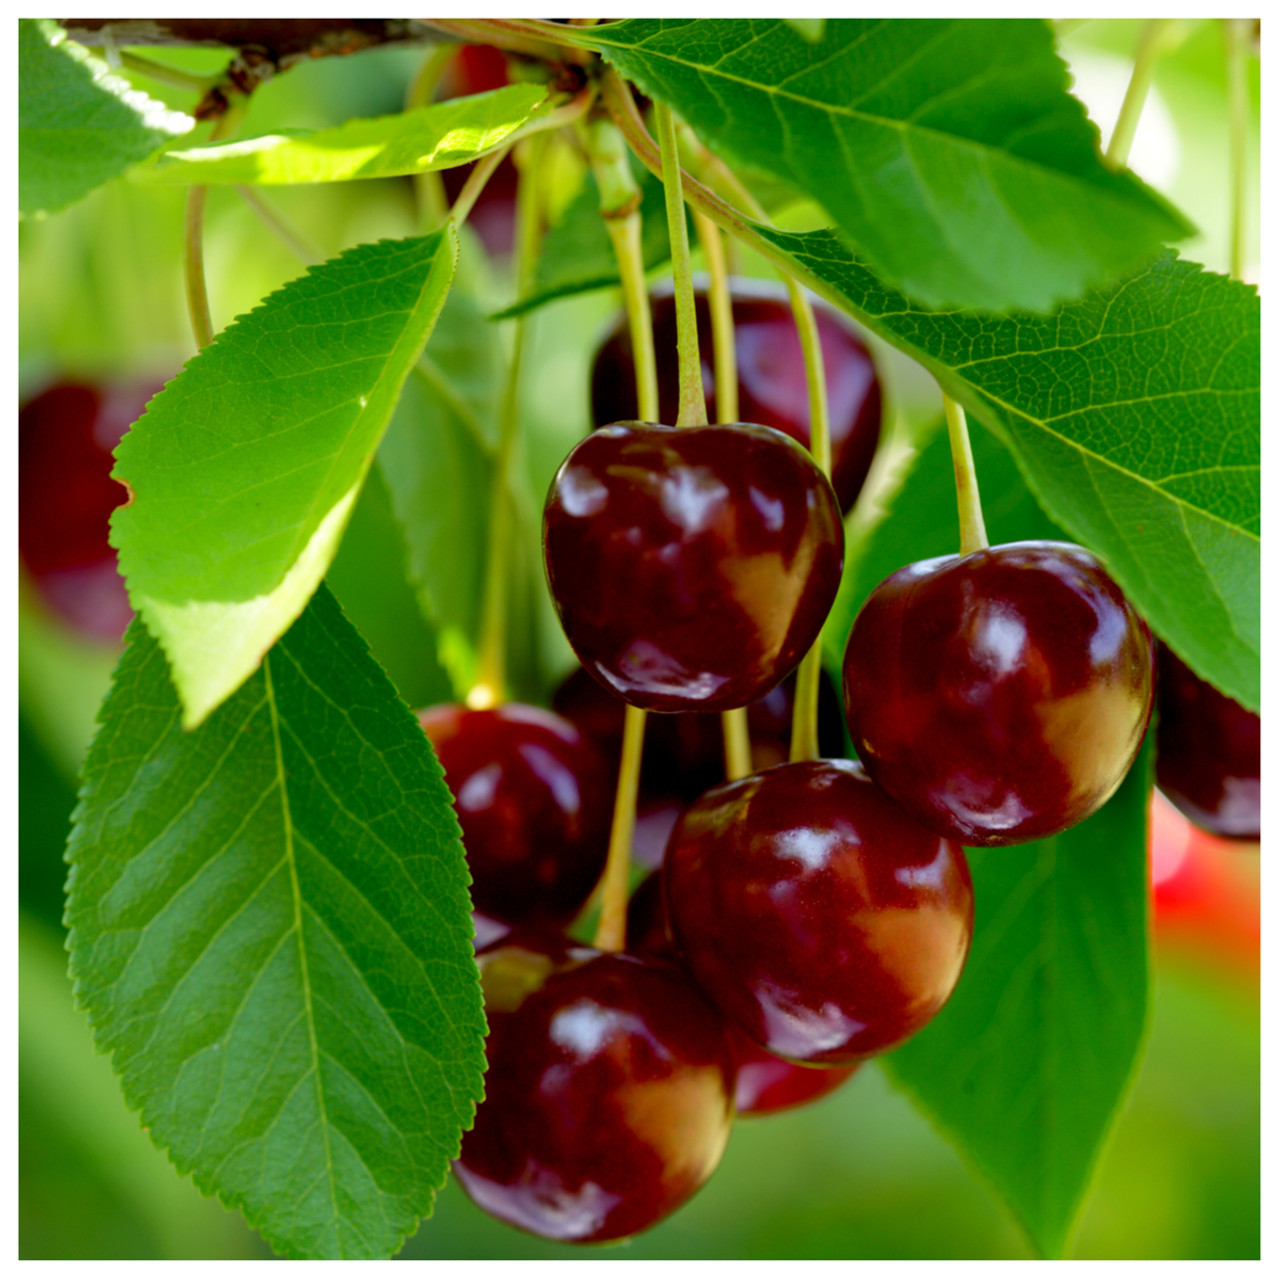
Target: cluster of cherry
{"x":811,"y":914}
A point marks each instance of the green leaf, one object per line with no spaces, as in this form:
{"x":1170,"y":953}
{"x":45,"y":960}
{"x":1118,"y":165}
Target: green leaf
{"x":1135,"y":418}
{"x":78,"y":125}
{"x":577,"y":255}
{"x":418,"y":141}
{"x":244,"y":469}
{"x":270,"y":934}
{"x":810,"y":29}
{"x":439,"y":460}
{"x":948,"y":151}
{"x":1028,"y":1064}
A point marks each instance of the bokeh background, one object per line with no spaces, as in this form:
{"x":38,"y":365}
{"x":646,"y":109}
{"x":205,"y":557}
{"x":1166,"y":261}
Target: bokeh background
{"x":858,"y":1175}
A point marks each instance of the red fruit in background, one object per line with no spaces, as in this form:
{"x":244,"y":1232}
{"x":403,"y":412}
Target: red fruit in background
{"x":478,"y":68}
{"x":66,"y":435}
{"x":818,"y":917}
{"x":608,"y":1096}
{"x":693,"y":567}
{"x":534,"y":800}
{"x":765,"y":1084}
{"x":772,"y":389}
{"x":999,"y":697}
{"x":1208,"y":752}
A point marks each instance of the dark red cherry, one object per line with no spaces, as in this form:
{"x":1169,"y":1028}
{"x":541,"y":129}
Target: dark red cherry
{"x":66,"y":435}
{"x":999,"y":697}
{"x":534,"y":799}
{"x":691,"y":567}
{"x":765,"y":1083}
{"x":818,"y":917}
{"x":772,"y":388}
{"x":479,"y":68}
{"x":608,"y":1096}
{"x":1208,"y":752}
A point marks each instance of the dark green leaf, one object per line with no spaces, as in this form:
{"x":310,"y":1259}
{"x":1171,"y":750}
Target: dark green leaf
{"x":245,"y":468}
{"x":577,"y":255}
{"x":270,"y":934}
{"x":948,"y":151}
{"x":436,"y":137}
{"x":78,"y":125}
{"x":1031,"y":1059}
{"x":1134,"y":416}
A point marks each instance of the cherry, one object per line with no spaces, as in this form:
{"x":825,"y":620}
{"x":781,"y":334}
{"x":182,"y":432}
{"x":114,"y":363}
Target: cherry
{"x":772,"y":388}
{"x":608,"y":1096}
{"x":66,"y":435}
{"x":999,"y":697}
{"x":819,"y":918}
{"x":766,"y":1084}
{"x":479,"y":68}
{"x":691,"y":567}
{"x":534,"y":800}
{"x":1208,"y":752}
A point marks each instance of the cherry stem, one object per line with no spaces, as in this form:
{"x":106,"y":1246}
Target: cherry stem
{"x":611,"y":931}
{"x":620,"y":209}
{"x":475,"y":184}
{"x":1158,"y":35}
{"x":292,"y":239}
{"x":973,"y":531}
{"x":163,"y":74}
{"x":535,"y":40}
{"x":1236,"y":32}
{"x":804,"y":718}
{"x":490,"y":687}
{"x":736,"y":732}
{"x":693,"y":404}
{"x":193,"y":243}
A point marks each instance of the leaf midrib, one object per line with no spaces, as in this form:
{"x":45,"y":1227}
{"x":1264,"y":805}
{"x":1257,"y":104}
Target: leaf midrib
{"x":296,"y":889}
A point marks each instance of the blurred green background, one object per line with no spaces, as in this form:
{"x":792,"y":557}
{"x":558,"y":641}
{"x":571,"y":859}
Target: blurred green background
{"x":858,"y":1175}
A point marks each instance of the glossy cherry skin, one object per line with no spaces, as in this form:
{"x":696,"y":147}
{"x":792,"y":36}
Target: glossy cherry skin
{"x":765,"y":1084}
{"x":66,"y":435}
{"x":1208,"y":752}
{"x":534,"y":800}
{"x":608,"y":1096}
{"x":999,"y":697}
{"x":691,"y":567}
{"x":819,"y":918}
{"x":772,"y":388}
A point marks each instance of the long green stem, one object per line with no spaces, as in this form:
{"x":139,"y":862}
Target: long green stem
{"x":733,"y":723}
{"x":193,"y":242}
{"x":620,"y":210}
{"x":490,"y":688}
{"x":973,"y":530}
{"x":480,"y":174}
{"x":428,"y":188}
{"x":1236,"y":31}
{"x":611,"y":931}
{"x":1150,"y":45}
{"x":693,"y":405}
{"x":158,"y":71}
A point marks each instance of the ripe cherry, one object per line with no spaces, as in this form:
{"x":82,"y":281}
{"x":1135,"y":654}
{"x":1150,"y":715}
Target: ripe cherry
{"x":818,"y":917}
{"x":608,"y":1096}
{"x":999,"y":697}
{"x":1208,"y":752}
{"x":772,"y":388}
{"x":66,"y":435}
{"x":534,"y":799}
{"x":691,"y":567}
{"x":765,"y":1083}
